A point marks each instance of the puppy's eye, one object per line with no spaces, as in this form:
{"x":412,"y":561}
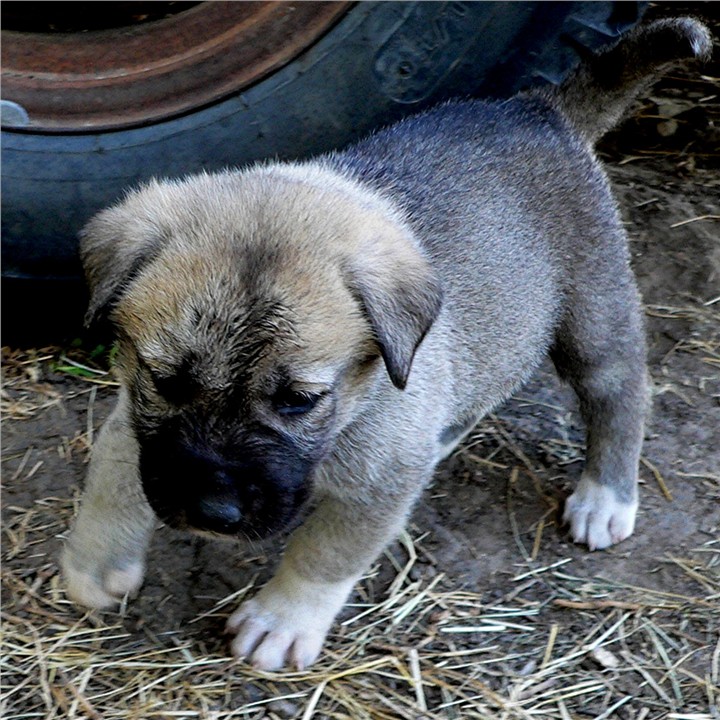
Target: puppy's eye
{"x":177,"y":389}
{"x":292,"y":402}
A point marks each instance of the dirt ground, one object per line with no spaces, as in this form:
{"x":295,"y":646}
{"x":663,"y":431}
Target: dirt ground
{"x":484,"y":608}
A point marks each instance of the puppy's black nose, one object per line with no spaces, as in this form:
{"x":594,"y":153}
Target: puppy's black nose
{"x":219,"y":513}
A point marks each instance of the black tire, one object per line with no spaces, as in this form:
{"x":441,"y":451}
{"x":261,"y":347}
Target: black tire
{"x":381,"y":61}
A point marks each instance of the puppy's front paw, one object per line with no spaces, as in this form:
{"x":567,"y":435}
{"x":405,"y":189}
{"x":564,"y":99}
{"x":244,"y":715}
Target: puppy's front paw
{"x":286,"y":622}
{"x":94,"y":586}
{"x":596,"y":517}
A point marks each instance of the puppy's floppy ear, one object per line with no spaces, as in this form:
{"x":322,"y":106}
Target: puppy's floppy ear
{"x":114,"y":245}
{"x":399,"y":292}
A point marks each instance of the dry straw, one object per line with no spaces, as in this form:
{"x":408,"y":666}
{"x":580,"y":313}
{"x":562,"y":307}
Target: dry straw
{"x":556,"y":645}
{"x":573,"y":647}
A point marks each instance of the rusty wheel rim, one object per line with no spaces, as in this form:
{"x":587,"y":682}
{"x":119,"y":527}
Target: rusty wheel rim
{"x":134,"y":75}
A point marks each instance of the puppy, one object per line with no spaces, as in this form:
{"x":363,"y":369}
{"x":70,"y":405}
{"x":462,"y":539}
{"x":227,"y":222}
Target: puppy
{"x":324,"y":333}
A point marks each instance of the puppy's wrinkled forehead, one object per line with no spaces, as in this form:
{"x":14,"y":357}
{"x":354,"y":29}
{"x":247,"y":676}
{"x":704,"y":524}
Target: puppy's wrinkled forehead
{"x":235,"y":277}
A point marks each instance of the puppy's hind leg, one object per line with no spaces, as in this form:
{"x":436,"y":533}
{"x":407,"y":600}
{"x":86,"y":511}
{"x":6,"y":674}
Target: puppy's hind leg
{"x":104,"y":556}
{"x":600,"y":351}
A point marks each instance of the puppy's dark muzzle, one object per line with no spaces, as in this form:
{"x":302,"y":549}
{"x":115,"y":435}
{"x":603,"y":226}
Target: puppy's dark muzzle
{"x":245,"y":496}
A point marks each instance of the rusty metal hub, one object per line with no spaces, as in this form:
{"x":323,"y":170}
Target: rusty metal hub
{"x":146,"y":71}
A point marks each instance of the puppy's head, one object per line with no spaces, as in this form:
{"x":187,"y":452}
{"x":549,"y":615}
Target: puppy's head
{"x":254,"y":313}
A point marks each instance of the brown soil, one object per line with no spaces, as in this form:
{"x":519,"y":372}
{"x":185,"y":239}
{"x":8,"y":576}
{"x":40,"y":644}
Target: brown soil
{"x":492,"y":513}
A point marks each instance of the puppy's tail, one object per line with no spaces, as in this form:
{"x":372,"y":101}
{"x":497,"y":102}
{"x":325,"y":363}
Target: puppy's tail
{"x":599,"y":92}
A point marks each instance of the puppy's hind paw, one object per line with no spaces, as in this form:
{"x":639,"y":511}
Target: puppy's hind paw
{"x":596,"y":516}
{"x":100,"y":590}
